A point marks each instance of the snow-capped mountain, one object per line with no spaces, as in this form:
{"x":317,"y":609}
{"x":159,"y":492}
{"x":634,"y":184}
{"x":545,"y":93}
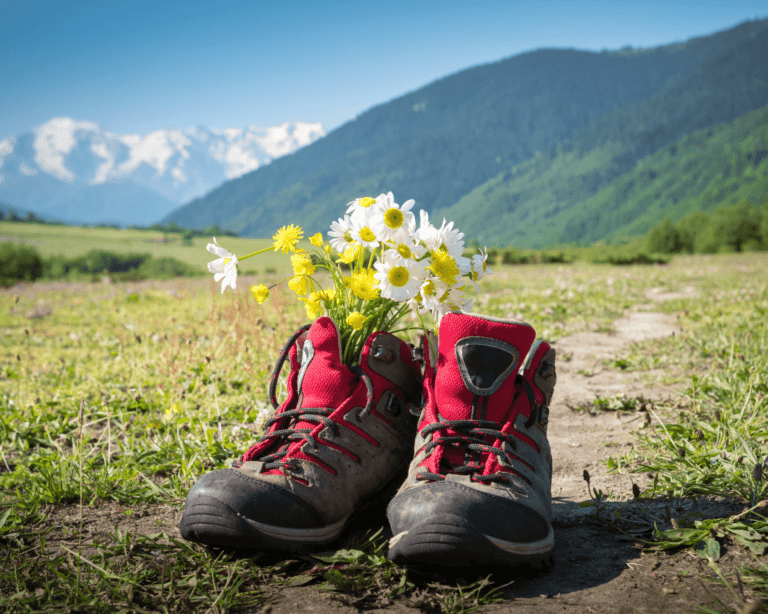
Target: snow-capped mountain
{"x":75,"y":171}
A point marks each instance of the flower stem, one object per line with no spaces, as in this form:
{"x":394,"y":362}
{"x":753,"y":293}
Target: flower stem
{"x":261,"y":251}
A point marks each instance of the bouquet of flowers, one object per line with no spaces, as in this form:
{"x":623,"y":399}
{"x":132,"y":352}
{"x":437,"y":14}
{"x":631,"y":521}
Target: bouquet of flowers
{"x":381,"y":268}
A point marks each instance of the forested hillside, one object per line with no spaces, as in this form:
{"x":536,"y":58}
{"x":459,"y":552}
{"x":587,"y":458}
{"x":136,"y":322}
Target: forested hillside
{"x":548,"y":129}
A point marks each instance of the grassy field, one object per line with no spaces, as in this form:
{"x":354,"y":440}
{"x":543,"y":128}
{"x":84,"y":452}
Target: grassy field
{"x":72,"y":241}
{"x":116,"y":401}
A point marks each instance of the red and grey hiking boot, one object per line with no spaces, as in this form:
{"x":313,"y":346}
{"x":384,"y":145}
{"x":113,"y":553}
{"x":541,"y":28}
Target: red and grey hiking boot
{"x":339,"y":439}
{"x":479,"y":487}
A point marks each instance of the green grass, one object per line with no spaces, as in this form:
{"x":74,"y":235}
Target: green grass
{"x":73,"y":241}
{"x":127,"y":393}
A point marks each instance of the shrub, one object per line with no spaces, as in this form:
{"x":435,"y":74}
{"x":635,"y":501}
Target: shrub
{"x":665,"y":238}
{"x":19,"y":263}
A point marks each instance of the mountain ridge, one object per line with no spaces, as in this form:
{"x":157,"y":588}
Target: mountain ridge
{"x":76,"y":171}
{"x":438,"y":143}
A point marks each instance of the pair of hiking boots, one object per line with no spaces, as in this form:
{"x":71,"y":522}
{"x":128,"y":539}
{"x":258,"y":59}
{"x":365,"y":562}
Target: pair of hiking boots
{"x":475,"y":487}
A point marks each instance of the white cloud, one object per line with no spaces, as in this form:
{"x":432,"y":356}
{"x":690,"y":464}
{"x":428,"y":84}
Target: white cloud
{"x":6,"y":148}
{"x":27,"y":170}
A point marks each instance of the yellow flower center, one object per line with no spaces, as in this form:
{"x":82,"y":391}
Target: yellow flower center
{"x":398,"y":276}
{"x":444,"y":266}
{"x":404,"y":251}
{"x":428,"y":289}
{"x":366,"y":202}
{"x":348,"y":237}
{"x":367,"y":235}
{"x":393,"y":218}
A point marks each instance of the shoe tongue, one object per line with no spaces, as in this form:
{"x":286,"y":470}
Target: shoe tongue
{"x":323,"y":380}
{"x":478,"y":360}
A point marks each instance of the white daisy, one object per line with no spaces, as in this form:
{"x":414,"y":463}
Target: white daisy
{"x":361,"y":206}
{"x":361,"y":231}
{"x":409,"y":248}
{"x":479,"y":266}
{"x":429,"y":297}
{"x":399,"y":278}
{"x":446,"y":237}
{"x":341,"y":234}
{"x":224,"y":268}
{"x":394,"y":223}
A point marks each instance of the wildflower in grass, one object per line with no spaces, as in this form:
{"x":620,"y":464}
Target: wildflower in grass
{"x":260,"y":293}
{"x":286,"y":238}
{"x":316,"y":240}
{"x":356,"y":320}
{"x":302,"y":264}
{"x":173,"y":409}
{"x":224,"y":268}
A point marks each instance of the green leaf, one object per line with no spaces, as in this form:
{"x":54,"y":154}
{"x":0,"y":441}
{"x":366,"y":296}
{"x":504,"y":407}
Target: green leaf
{"x":709,"y":549}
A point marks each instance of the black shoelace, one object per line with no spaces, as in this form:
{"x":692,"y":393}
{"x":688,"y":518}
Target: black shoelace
{"x":470,"y":438}
{"x":318,"y":415}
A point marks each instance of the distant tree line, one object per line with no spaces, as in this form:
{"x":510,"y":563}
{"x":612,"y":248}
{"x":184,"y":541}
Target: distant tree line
{"x":24,"y":263}
{"x":738,"y":228}
{"x":29,"y":218}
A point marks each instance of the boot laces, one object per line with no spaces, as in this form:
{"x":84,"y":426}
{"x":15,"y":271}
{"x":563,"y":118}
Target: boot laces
{"x":319,"y":415}
{"x":470,"y":438}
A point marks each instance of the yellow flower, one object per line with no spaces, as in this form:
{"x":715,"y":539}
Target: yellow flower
{"x":444,"y":266}
{"x":287,"y":237}
{"x":302,"y":264}
{"x":356,"y":320}
{"x":313,"y":306}
{"x":316,"y":240}
{"x":174,"y":409}
{"x":260,"y":292}
{"x":327,"y":249}
{"x":363,"y":285}
{"x":299,"y":284}
{"x":351,"y":253}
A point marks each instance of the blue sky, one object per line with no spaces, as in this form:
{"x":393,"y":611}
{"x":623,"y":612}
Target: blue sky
{"x":137,"y":66}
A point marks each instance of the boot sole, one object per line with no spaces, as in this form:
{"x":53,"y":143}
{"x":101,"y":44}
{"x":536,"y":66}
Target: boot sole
{"x":212,"y":522}
{"x":449,"y":541}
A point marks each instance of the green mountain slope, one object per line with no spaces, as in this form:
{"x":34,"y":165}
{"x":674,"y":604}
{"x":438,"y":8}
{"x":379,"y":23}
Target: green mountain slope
{"x":721,"y":165}
{"x":547,"y":199}
{"x":440,"y":142}
{"x":542,"y":201}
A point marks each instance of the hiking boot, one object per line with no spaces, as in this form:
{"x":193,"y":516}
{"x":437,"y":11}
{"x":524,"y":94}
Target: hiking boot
{"x":479,"y":487}
{"x":340,"y":438}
